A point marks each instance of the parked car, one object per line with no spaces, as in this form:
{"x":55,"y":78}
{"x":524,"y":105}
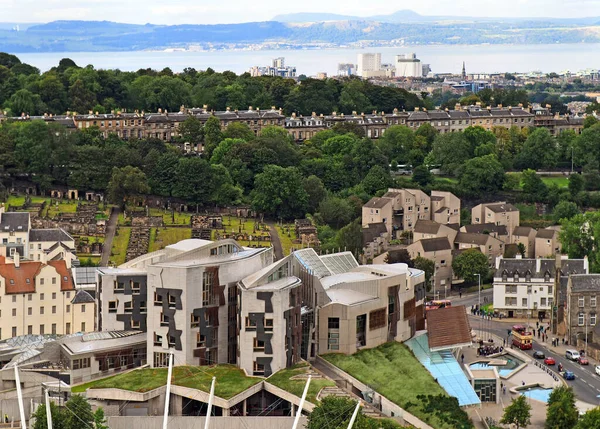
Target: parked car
{"x":568,"y":375}
{"x":539,"y":355}
{"x":583,"y":361}
{"x":597,"y":369}
{"x":549,"y":361}
{"x":572,"y":355}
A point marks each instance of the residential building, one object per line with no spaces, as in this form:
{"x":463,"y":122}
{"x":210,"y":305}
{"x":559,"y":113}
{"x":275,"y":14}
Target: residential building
{"x":438,"y":250}
{"x":487,"y":244}
{"x":526,"y":287}
{"x":17,"y":236}
{"x":581,"y":316}
{"x":546,"y":243}
{"x":497,"y":231}
{"x":500,"y":213}
{"x":445,"y":207}
{"x":368,"y":64}
{"x":429,"y":229}
{"x":526,"y":236}
{"x":40,"y":298}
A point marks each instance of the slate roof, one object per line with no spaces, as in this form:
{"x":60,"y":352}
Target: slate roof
{"x":568,"y":266}
{"x":522,"y":231}
{"x":52,"y":234}
{"x":373,"y":231}
{"x":546,"y":233}
{"x":82,"y":297}
{"x":435,"y":244}
{"x":502,"y":207}
{"x":469,"y":238}
{"x":427,"y":227}
{"x":448,"y":327}
{"x":377,"y":203}
{"x":585,"y":283}
{"x":489,"y":227}
{"x":14,"y":221}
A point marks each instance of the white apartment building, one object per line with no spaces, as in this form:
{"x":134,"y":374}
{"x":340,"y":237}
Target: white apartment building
{"x":408,"y":65}
{"x":526,"y":287}
{"x":368,"y":64}
{"x":40,"y":298}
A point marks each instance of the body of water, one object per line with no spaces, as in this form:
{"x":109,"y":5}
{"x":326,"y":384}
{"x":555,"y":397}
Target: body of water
{"x":443,"y":58}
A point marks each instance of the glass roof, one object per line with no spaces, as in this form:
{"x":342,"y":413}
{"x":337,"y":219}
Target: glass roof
{"x":311,"y":261}
{"x":339,"y":263}
{"x":446,"y":369}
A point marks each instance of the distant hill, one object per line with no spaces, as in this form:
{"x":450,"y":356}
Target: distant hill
{"x":406,"y":26}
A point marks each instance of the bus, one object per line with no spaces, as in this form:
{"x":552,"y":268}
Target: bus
{"x":437,"y":303}
{"x":521,"y":338}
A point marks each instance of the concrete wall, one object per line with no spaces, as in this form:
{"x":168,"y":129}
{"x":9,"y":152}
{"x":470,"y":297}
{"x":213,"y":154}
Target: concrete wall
{"x":198,"y":422}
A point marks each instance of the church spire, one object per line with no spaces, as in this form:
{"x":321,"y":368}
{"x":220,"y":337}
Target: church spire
{"x":464,"y":72}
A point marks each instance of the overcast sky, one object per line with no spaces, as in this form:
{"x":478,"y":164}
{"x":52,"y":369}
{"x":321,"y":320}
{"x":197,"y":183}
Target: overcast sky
{"x":229,"y":11}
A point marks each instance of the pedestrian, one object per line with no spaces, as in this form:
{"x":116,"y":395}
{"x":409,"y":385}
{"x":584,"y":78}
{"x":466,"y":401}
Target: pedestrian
{"x":459,"y":294}
{"x":5,"y":418}
{"x":504,"y":390}
{"x":462,"y":358}
{"x":537,"y":325}
{"x":523,"y":383}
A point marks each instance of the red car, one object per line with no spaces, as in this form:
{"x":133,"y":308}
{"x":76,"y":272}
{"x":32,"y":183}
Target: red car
{"x":549,"y":361}
{"x":583,"y":361}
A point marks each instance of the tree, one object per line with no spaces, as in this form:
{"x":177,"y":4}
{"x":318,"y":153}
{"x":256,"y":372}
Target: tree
{"x":58,"y":417}
{"x":564,"y":210}
{"x":590,"y":420}
{"x":78,"y":414}
{"x":422,"y":176}
{"x":279,"y":193}
{"x":377,"y":178}
{"x":580,"y":237}
{"x":125,"y":183}
{"x":212,"y":135}
{"x":398,"y":256}
{"x":482,"y":176}
{"x":335,"y":211}
{"x":517,"y":413}
{"x":451,"y":150}
{"x":194,"y":181}
{"x":335,"y":412}
{"x":427,"y":266}
{"x":239,"y":130}
{"x":315,"y":190}
{"x":576,"y":184}
{"x":521,"y":249}
{"x":469,"y":263}
{"x":99,"y":419}
{"x":223,"y":149}
{"x":191,"y":130}
{"x":562,"y":412}
{"x":534,"y":187}
{"x":540,"y":150}
{"x":396,"y":142}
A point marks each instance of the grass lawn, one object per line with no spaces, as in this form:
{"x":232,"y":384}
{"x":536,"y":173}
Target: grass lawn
{"x":287,"y":242}
{"x":392,"y":370}
{"x":438,"y":180}
{"x":230,"y":380}
{"x":161,"y":237}
{"x":119,"y":246}
{"x":561,"y":181}
{"x":19,"y":200}
{"x":53,"y":210}
{"x":283,"y":380}
{"x":180,"y":218}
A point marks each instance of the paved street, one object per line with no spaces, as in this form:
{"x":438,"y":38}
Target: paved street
{"x":586,"y":384}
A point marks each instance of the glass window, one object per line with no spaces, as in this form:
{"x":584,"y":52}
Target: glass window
{"x":333,"y":323}
{"x":580,"y":319}
{"x":581,"y":301}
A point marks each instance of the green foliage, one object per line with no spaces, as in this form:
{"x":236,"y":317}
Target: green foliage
{"x":590,"y":420}
{"x":576,"y":184}
{"x":540,"y":150}
{"x":564,"y":210}
{"x":335,"y":413}
{"x":127,"y":182}
{"x":580,"y":237}
{"x":335,"y":211}
{"x":279,"y":192}
{"x":517,"y":413}
{"x":191,"y":130}
{"x":562,"y":412}
{"x":534,"y":187}
{"x":482,"y":176}
{"x":427,"y":266}
{"x":422,"y":176}
{"x":315,"y":189}
{"x":378,"y":178}
{"x":469,"y":263}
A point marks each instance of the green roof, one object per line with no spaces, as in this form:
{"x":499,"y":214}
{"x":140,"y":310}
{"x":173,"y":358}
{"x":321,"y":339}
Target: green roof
{"x":292,"y":380}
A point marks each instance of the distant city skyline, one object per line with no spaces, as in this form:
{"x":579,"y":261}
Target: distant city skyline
{"x":188,"y":12}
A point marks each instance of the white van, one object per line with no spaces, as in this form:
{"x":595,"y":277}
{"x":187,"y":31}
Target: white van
{"x":572,"y":355}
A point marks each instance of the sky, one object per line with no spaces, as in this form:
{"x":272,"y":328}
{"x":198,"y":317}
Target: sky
{"x":232,"y":11}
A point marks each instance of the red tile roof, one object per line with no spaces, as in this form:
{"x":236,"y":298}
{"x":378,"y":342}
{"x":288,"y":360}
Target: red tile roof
{"x":66,"y":280}
{"x":448,"y":327}
{"x":22,"y":279}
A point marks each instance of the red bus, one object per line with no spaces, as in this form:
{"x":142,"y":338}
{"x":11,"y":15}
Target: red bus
{"x":521,"y":338}
{"x":437,"y":303}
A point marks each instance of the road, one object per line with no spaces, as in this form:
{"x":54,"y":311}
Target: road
{"x":586,"y":384}
{"x":111,"y":227}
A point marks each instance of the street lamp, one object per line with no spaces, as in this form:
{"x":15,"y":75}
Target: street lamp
{"x":479,"y":307}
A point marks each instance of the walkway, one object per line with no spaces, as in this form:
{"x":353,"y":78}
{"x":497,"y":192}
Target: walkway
{"x":275,"y":241}
{"x":111,"y":227}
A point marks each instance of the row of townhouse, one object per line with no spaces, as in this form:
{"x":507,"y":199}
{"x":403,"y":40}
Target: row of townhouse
{"x":217,"y":302}
{"x":165,"y":125}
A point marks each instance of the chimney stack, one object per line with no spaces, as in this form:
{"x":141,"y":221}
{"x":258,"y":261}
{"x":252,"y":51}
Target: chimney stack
{"x":17,"y":260}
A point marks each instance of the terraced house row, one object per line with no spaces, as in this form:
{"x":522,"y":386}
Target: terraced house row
{"x":164,"y":125}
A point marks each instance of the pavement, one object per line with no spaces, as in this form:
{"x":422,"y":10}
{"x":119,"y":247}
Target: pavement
{"x":111,"y":227}
{"x":275,"y":241}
